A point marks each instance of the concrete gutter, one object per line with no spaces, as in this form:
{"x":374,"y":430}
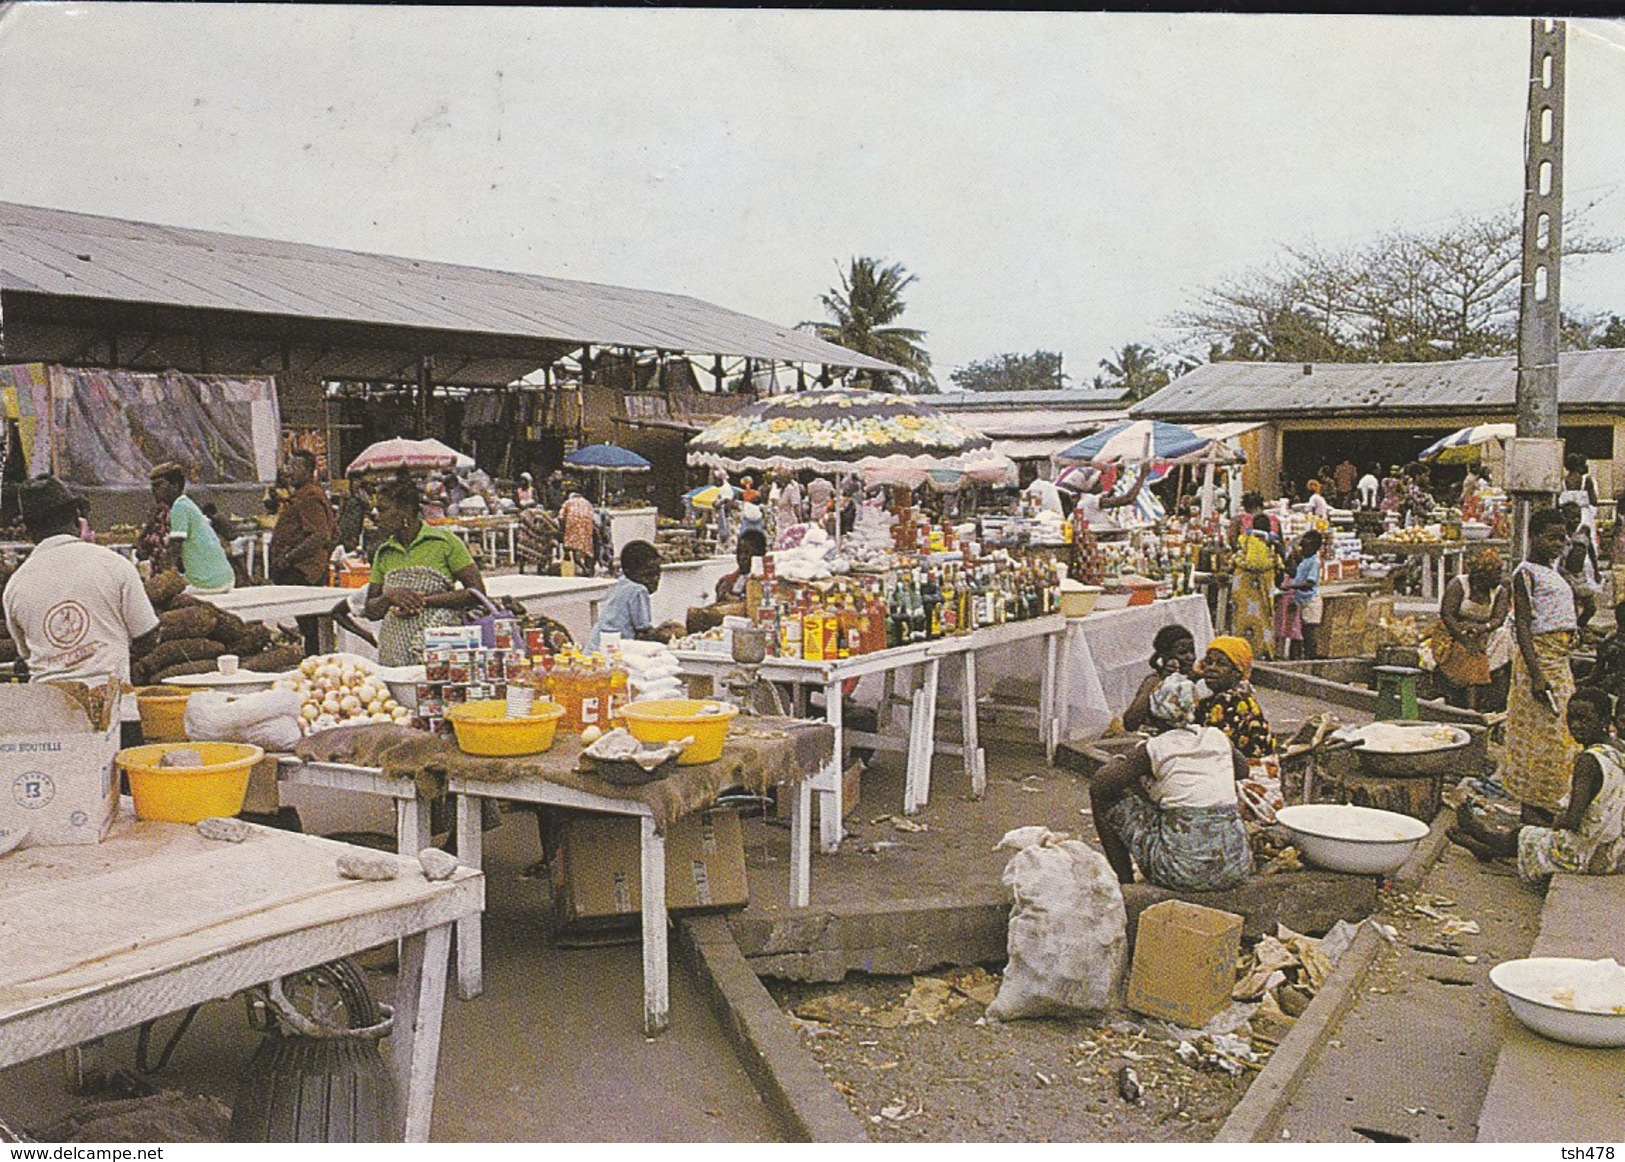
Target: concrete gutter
{"x":1256,"y":1117}
{"x":789,"y":1080}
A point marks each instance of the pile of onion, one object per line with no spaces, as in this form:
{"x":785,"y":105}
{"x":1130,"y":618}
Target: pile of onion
{"x":337,"y":691}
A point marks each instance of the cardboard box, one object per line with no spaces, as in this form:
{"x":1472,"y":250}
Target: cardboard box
{"x":56,"y":762}
{"x":1184,"y":962}
{"x":851,"y":778}
{"x":599,"y":870}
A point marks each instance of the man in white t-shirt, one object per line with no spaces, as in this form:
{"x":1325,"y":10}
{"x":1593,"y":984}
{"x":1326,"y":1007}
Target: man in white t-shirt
{"x":74,"y":609}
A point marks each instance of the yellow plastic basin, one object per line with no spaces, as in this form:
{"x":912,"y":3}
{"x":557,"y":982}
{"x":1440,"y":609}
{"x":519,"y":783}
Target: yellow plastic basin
{"x":483,"y":728}
{"x":188,"y":794}
{"x":669,"y":719}
{"x":163,"y":713}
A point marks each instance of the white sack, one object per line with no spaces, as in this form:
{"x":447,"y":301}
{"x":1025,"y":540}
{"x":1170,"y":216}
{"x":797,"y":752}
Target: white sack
{"x":268,"y":719}
{"x":1068,"y":938}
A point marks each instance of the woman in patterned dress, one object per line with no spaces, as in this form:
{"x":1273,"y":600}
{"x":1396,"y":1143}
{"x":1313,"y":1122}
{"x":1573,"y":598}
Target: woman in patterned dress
{"x":1254,"y":575}
{"x":1539,"y":750}
{"x":1230,"y":704}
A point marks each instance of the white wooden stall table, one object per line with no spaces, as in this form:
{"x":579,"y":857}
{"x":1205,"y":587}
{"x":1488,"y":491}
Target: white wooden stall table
{"x":92,"y":948}
{"x":1441,"y":560}
{"x":920,"y":745}
{"x":1105,"y":657}
{"x":276,"y":604}
{"x":257,"y":545}
{"x":571,"y":601}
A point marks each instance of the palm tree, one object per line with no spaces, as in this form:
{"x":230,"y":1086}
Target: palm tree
{"x":863,"y":309}
{"x":1136,"y":368}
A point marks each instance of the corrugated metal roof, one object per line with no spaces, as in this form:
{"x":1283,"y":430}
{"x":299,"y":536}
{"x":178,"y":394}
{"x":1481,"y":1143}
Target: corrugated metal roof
{"x":1002,"y":400}
{"x":1594,"y":379}
{"x":58,"y":252}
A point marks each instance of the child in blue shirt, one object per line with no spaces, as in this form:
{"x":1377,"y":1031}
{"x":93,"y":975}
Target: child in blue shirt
{"x":626,"y":610}
{"x":1305,"y":588}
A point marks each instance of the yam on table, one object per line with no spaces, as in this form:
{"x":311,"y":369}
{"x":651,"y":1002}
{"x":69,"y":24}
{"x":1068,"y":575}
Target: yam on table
{"x":275,"y":661}
{"x":193,"y":621}
{"x":191,"y":649}
{"x":164,"y":588}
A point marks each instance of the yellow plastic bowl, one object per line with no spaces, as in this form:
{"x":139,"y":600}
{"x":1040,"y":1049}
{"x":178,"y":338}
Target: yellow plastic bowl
{"x":483,"y":728}
{"x":188,"y":794}
{"x":669,"y":719}
{"x":163,"y":713}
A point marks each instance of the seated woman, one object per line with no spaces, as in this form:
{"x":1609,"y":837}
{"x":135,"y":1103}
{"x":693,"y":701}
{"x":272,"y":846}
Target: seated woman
{"x":415,"y":577}
{"x":1589,"y":836}
{"x":1173,"y":652}
{"x":1229,"y":704}
{"x":1169,"y":805}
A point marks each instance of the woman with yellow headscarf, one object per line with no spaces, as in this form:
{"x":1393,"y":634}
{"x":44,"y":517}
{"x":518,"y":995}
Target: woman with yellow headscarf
{"x":1230,"y":705}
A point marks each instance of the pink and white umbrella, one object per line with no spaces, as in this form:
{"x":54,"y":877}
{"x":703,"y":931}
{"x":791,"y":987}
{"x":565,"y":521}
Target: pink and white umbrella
{"x":390,"y":455}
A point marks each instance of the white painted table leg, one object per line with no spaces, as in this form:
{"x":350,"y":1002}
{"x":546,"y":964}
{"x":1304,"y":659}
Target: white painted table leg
{"x":971,"y":729}
{"x":1047,"y":717}
{"x":470,"y":930}
{"x":911,"y":772}
{"x":917,"y":783}
{"x":801,"y":845}
{"x":830,"y":808}
{"x":412,"y":825}
{"x":656,"y":997}
{"x":887,"y":693}
{"x":420,"y":1002}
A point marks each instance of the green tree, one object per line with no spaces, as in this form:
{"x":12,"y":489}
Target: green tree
{"x":863,"y":314}
{"x":1410,"y":295}
{"x":1010,"y":371}
{"x":1137,"y":369}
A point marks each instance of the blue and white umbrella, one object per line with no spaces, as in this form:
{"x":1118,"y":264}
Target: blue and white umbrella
{"x":1135,"y":441}
{"x":1463,"y":446}
{"x":606,"y":458}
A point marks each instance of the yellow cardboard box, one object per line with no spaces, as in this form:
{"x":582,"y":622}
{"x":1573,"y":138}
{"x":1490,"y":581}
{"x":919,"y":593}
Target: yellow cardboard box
{"x":1184,"y":962}
{"x":599,"y":871}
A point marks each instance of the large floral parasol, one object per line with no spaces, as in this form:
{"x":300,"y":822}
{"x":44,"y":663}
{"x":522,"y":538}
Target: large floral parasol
{"x":840,"y":431}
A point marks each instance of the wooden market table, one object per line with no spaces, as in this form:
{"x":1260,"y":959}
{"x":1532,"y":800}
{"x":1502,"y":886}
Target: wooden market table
{"x":93,"y":946}
{"x":925,"y":660}
{"x":761,"y":749}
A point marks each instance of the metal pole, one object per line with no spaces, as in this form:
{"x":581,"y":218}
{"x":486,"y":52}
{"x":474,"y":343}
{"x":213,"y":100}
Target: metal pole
{"x":1539,"y":321}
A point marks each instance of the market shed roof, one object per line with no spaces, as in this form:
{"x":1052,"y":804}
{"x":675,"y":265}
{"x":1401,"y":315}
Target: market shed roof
{"x":1264,"y":391}
{"x":63,"y":270}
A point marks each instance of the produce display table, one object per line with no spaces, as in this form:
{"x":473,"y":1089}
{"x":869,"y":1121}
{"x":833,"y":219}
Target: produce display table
{"x":1445,"y":558}
{"x":280,"y":603}
{"x":92,"y":947}
{"x":926,"y":659}
{"x":1105,"y":656}
{"x":760,"y":753}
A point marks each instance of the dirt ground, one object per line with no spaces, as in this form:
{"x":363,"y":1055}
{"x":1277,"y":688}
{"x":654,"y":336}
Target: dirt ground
{"x":965,"y":1079}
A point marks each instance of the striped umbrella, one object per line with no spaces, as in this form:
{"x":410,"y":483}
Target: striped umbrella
{"x":1464,"y":446}
{"x":1137,"y":440}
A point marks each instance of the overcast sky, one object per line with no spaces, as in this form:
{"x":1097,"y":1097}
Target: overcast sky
{"x":1055,"y":180}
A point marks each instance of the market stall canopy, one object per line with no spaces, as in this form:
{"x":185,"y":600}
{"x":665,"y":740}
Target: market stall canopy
{"x":1140,"y":440}
{"x":1464,"y":446}
{"x":80,"y":288}
{"x":839,"y":431}
{"x":606,"y":458}
{"x":391,"y":455}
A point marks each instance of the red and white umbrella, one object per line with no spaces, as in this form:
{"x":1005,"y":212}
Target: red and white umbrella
{"x":390,"y":455}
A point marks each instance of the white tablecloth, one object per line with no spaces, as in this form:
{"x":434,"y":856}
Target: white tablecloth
{"x":1107,"y":654}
